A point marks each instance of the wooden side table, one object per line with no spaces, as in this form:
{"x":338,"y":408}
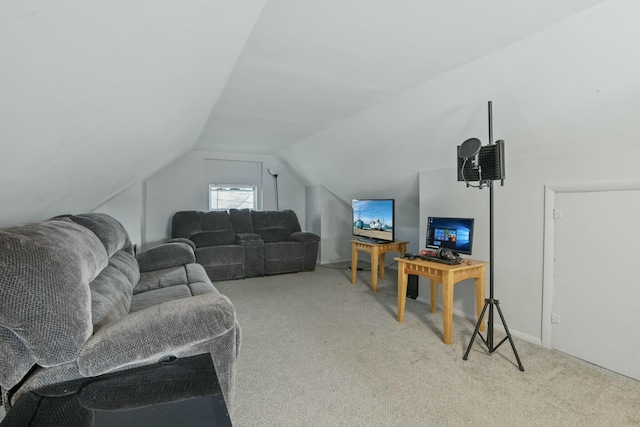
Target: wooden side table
{"x":448,"y":275}
{"x":377,"y":251}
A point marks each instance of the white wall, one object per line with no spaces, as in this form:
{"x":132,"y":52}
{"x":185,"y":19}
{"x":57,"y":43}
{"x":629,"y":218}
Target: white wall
{"x":181,"y":186}
{"x":518,"y":223}
{"x":572,"y":87}
{"x":332,"y":218}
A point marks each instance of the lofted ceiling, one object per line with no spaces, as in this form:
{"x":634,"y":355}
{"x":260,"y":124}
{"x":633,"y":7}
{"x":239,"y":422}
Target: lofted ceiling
{"x":98,"y":96}
{"x":309,"y":65}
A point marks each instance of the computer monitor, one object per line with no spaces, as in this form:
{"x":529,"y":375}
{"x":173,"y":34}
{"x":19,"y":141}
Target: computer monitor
{"x":453,"y":233}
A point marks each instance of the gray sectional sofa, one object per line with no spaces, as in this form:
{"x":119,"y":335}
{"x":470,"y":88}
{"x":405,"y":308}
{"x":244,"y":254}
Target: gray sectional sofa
{"x":246,"y":243}
{"x":75,"y":302}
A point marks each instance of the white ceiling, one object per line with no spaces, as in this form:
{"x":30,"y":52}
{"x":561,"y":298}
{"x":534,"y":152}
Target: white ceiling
{"x":98,"y":96}
{"x":309,"y":65}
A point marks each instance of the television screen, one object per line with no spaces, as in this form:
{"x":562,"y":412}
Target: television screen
{"x":373,"y":219}
{"x":453,"y":233}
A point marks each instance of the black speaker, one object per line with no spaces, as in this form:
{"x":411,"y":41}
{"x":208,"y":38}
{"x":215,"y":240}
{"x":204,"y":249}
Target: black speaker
{"x":412,"y":286}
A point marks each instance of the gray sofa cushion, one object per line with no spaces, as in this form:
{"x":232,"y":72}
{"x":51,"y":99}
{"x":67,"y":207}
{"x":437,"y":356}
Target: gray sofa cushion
{"x":163,"y":278}
{"x":110,"y":231}
{"x":127,"y":265}
{"x":188,"y":223}
{"x":214,"y":238}
{"x":241,"y":220}
{"x":111,"y":295}
{"x":274,"y":234}
{"x":157,"y":296}
{"x":45,"y":270}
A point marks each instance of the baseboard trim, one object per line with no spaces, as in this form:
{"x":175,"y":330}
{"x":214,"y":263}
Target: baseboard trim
{"x":497,"y":325}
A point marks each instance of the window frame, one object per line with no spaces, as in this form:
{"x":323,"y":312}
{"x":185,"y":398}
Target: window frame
{"x":247,"y":188}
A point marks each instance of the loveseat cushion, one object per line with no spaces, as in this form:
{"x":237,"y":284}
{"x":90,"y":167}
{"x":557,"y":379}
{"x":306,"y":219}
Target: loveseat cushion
{"x":241,"y":220}
{"x":274,"y":234}
{"x":45,"y":270}
{"x":111,"y":295}
{"x":163,"y":278}
{"x":187,"y":223}
{"x":110,"y":231}
{"x":214,"y":238}
{"x":275,"y":226}
{"x":127,"y":264}
{"x":157,"y":296}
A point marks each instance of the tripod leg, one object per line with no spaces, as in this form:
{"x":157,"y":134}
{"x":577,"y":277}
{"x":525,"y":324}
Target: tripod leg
{"x":513,"y":347}
{"x":475,"y":332}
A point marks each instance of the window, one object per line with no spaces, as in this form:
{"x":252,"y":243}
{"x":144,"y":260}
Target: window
{"x":227,"y":196}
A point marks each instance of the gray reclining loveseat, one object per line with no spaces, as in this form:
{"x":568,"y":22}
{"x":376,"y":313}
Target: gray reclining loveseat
{"x":75,"y":302}
{"x":246,"y":243}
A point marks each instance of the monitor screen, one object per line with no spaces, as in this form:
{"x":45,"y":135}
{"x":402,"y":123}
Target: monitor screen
{"x":453,"y":233}
{"x":373,"y":219}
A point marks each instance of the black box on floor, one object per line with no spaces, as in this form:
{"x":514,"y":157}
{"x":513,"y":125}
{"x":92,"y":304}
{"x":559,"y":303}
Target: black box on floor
{"x":412,"y":286}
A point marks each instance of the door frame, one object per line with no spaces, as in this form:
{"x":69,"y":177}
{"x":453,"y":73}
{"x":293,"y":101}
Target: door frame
{"x":548,"y":256}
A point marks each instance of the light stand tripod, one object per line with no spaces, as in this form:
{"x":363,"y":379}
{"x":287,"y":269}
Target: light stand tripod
{"x":491,"y":159}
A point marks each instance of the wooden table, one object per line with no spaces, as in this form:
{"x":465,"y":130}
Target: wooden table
{"x":448,"y":275}
{"x":377,"y":251}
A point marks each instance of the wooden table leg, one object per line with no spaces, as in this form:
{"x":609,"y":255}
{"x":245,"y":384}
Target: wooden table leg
{"x":480,"y":290}
{"x":381,"y":263}
{"x":402,"y":291}
{"x":434,"y":295}
{"x":447,"y":306}
{"x":374,"y":269}
{"x":354,"y":263}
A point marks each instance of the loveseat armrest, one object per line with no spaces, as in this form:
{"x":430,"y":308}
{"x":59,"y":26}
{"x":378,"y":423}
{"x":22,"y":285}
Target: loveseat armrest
{"x":147,"y":335}
{"x":304,"y":237}
{"x":183,"y":240}
{"x":253,"y":253}
{"x":165,"y":256}
{"x":311,"y":242}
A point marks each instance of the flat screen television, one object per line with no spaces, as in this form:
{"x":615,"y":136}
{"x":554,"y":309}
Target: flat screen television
{"x":373,"y":220}
{"x":453,"y":233}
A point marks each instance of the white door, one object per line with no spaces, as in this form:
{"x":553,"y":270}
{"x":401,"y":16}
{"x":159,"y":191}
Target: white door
{"x":596,"y":290}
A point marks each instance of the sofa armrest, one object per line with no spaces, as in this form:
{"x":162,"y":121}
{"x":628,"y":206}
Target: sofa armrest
{"x":304,"y":237}
{"x":165,"y":256}
{"x":183,"y":240}
{"x":148,"y":335}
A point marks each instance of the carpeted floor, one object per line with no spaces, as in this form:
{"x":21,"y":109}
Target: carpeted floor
{"x":318,"y":351}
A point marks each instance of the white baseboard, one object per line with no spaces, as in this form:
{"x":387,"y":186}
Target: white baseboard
{"x":497,"y":325}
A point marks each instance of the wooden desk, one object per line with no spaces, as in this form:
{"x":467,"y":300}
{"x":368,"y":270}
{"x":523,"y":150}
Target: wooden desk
{"x":448,"y":275}
{"x":377,"y":251}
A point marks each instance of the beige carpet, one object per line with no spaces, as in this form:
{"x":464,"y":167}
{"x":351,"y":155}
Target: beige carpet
{"x":318,"y":351}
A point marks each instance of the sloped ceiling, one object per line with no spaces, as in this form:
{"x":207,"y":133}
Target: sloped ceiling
{"x":361,"y":96}
{"x":97,"y":96}
{"x":309,"y":65}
